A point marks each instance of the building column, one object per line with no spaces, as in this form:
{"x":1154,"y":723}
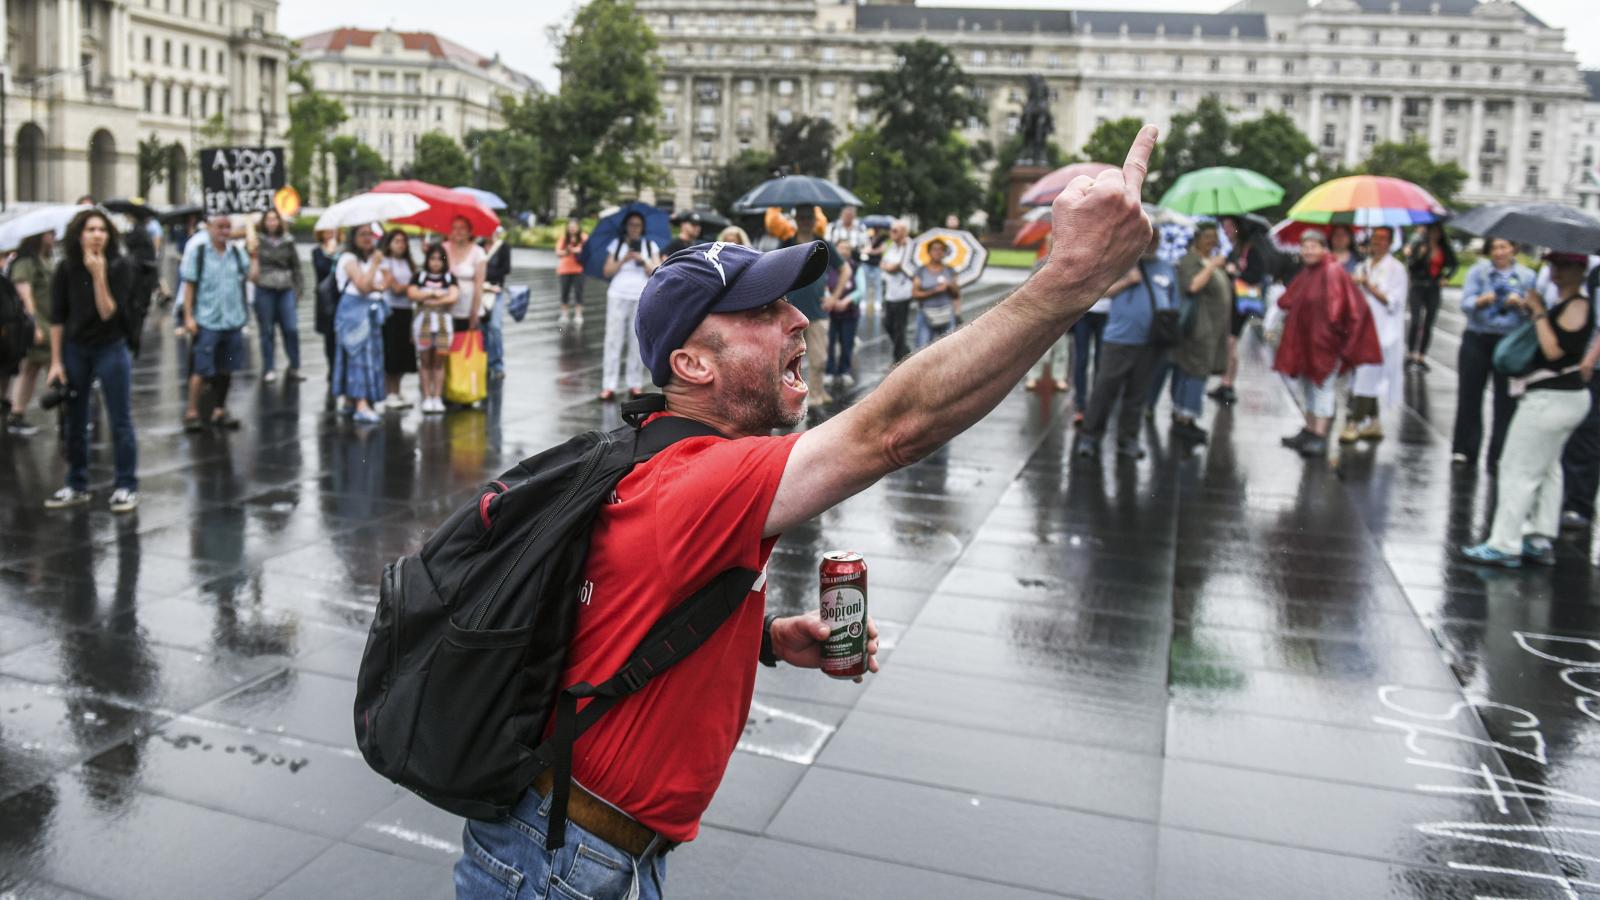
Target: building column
{"x":1352,"y":140}
{"x":1435,"y":124}
{"x":1396,"y":104}
{"x":66,"y":34}
{"x":1516,"y":147}
{"x":727,"y":139}
{"x":1314,"y":123}
{"x":1474,"y":147}
{"x":1556,"y":170}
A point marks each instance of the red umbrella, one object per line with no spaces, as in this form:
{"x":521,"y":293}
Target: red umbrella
{"x":444,"y":207}
{"x":1036,"y":227}
{"x":1286,"y":234}
{"x":1044,"y":191}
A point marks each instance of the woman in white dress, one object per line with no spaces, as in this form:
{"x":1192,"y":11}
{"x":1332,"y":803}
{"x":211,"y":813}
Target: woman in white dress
{"x":1384,"y":282}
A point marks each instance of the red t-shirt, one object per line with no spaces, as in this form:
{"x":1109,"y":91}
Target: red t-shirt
{"x":693,"y":511}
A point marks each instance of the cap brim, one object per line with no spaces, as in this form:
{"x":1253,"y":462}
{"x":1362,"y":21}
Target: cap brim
{"x":774,"y":275}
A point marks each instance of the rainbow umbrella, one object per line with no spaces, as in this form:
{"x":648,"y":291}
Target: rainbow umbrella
{"x":1221,"y":191}
{"x":1366,"y":201}
{"x":1043,"y":192}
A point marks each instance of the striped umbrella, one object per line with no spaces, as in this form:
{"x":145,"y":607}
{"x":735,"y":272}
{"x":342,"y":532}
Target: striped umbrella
{"x":1043,"y":192}
{"x":1366,"y":201}
{"x":1221,"y":191}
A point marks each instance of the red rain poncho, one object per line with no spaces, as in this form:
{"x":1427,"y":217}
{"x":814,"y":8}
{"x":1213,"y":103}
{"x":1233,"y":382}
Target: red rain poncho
{"x":1329,"y":326}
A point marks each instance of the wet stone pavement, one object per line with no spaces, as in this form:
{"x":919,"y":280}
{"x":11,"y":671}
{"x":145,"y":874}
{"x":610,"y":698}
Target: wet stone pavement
{"x":1221,"y":674}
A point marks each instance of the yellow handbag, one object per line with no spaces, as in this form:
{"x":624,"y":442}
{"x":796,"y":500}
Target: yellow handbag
{"x":466,"y":378}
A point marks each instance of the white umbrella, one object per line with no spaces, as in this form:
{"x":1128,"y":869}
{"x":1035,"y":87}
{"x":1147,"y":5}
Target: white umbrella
{"x":363,"y":209}
{"x":36,"y":221}
{"x":966,"y":257}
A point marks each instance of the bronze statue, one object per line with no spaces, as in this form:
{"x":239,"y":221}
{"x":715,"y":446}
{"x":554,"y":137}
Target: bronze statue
{"x":1037,"y":124}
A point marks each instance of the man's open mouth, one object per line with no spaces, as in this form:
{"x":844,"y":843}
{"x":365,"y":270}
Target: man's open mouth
{"x":794,"y":372}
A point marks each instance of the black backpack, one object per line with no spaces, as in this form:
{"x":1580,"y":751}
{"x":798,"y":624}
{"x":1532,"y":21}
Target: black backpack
{"x":463,"y":664}
{"x":16,"y":326}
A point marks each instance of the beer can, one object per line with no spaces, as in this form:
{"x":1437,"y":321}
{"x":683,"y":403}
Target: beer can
{"x":844,"y":611}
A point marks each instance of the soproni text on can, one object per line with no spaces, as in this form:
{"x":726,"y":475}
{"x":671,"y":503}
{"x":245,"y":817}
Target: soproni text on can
{"x":844,"y":611}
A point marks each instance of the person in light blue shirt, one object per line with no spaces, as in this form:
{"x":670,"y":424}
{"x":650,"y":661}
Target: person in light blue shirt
{"x":1128,"y":357}
{"x":1493,"y":299}
{"x":213,"y":273}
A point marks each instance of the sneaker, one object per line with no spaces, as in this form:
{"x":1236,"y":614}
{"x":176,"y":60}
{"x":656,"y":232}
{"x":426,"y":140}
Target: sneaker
{"x":1130,"y":450}
{"x":1294,"y":441}
{"x":1350,"y":434}
{"x":124,"y":500}
{"x":20,"y":427}
{"x":1189,"y":431}
{"x":66,"y":497}
{"x":293,"y":375}
{"x":1485,"y":555}
{"x":1031,"y":385}
{"x":577,"y":319}
{"x":563,"y":317}
{"x":367,"y":417}
{"x":1223,"y":394}
{"x":1371,"y":430}
{"x":849,"y":380}
{"x":1086,"y":448}
{"x":437,"y":405}
{"x":1538,"y":550}
{"x":395,"y":401}
{"x":1313,"y":447}
{"x":1460,"y":459}
{"x":1572,"y":520}
{"x":269,"y":376}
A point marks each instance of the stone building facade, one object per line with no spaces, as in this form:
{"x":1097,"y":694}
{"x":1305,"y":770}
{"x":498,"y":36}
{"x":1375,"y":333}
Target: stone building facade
{"x":1487,"y":84}
{"x":87,"y":80}
{"x":399,"y":85}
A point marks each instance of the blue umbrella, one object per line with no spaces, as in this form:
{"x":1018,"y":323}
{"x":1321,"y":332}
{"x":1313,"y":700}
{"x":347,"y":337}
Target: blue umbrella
{"x":657,"y":227}
{"x":486,"y":199}
{"x":878,"y":221}
{"x":795,"y":190}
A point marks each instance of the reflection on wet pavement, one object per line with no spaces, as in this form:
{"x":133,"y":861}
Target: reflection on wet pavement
{"x":1221,"y":673}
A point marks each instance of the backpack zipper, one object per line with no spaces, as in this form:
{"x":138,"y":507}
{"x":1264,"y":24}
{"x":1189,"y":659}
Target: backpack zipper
{"x":589,"y":465}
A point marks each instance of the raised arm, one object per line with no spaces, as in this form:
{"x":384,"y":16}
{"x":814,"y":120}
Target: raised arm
{"x":1100,"y":229}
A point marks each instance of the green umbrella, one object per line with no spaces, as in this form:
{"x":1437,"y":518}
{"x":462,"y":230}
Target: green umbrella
{"x":1221,"y":191}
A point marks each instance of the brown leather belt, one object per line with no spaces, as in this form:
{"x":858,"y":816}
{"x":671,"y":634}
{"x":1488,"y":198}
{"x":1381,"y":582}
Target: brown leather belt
{"x":603,"y":820}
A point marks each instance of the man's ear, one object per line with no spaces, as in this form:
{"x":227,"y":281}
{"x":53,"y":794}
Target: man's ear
{"x":692,"y":364}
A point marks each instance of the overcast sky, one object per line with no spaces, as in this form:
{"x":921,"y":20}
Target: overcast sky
{"x":516,"y":28}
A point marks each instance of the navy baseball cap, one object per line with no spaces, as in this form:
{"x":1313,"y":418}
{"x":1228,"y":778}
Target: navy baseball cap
{"x":715,"y":278}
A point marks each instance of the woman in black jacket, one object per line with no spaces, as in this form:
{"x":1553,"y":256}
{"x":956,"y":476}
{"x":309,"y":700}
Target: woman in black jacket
{"x":89,"y":342}
{"x":495,"y":273}
{"x":1432,"y":261}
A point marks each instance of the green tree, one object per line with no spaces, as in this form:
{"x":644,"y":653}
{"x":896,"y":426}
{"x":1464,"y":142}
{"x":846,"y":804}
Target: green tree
{"x":313,"y":116}
{"x":601,"y":128}
{"x":729,"y":181}
{"x":1275,"y":147}
{"x":1413,"y":161}
{"x":918,"y":109}
{"x":440,"y":160}
{"x":360,"y":167}
{"x":1000,"y":176}
{"x":154,"y":157}
{"x":507,"y":163}
{"x":1198,"y":138}
{"x":214,"y":132}
{"x":802,"y":147}
{"x":871,"y":169}
{"x":1109,"y":142}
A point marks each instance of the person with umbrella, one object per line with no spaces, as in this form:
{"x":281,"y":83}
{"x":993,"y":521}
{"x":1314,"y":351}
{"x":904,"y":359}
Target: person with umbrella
{"x":1432,"y":262}
{"x":938,"y":294}
{"x":631,"y":258}
{"x":688,"y":233}
{"x":1554,"y":402}
{"x":1492,"y":297}
{"x":1249,"y":262}
{"x":1328,"y":331}
{"x":1203,"y":349}
{"x":30,"y":273}
{"x":1383,"y":282}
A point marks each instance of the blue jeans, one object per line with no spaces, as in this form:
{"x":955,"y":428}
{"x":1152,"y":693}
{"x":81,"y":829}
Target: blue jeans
{"x":507,"y":859}
{"x":1188,"y":394}
{"x":842,"y":337}
{"x":492,"y":343}
{"x":927,"y":332}
{"x":276,"y":309}
{"x":218,"y":352}
{"x":1085,"y":342}
{"x":111,"y":365}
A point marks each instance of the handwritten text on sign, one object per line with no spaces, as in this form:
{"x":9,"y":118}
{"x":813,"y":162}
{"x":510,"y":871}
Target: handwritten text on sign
{"x":241,"y":179}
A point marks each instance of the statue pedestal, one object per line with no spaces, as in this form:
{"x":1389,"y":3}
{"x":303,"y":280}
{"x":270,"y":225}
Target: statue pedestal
{"x":1020,"y":179}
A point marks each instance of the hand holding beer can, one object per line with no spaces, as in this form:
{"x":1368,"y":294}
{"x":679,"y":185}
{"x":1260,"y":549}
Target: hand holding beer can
{"x":844,"y":611}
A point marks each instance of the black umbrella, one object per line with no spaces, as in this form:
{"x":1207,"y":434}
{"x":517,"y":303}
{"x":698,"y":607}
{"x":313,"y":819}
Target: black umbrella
{"x":1549,"y":225}
{"x":709,"y":219}
{"x":175,"y":213}
{"x":796,"y":190}
{"x":132,"y":208}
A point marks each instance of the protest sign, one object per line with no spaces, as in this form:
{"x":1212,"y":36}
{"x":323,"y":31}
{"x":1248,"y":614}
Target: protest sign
{"x":241,"y":179}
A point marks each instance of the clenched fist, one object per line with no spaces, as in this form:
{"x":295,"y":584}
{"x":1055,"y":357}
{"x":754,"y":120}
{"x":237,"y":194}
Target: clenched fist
{"x":1098,"y":225}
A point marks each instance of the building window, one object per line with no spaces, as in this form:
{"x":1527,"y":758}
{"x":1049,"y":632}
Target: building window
{"x":1103,"y":61}
{"x":863,"y":89}
{"x":785,"y":87}
{"x":1538,"y":75}
{"x":669,"y":151}
{"x":1138,"y":96}
{"x":1369,"y":135}
{"x":413,"y":84}
{"x":1535,"y":140}
{"x":825,"y":88}
{"x":1250,"y":66}
{"x":669,"y":116}
{"x":1413,"y":39}
{"x":1449,"y":137}
{"x":747,"y":86}
{"x":1288,"y":67}
{"x":386,"y":82}
{"x":205,"y":58}
{"x":1333,"y":67}
{"x":980,"y":57}
{"x":785,"y":117}
{"x":1250,"y":100}
{"x":360,"y":80}
{"x":1288,"y":101}
{"x":1213,"y":64}
{"x":864,"y":118}
{"x":1532,"y":182}
{"x":708,"y":115}
{"x":1018,"y":61}
{"x":1330,"y":102}
{"x":186,"y":56}
{"x":1328,"y":136}
{"x":149,"y":49}
{"x":1177,"y":64}
{"x":1486,"y":179}
{"x":829,"y":54}
{"x":166,"y":100}
{"x":1494,"y":73}
{"x":1538,"y":110}
{"x":1333,"y":37}
{"x":185,"y":97}
{"x":1416,"y":70}
{"x":1053,"y":60}
{"x":149,"y":97}
{"x":1494,"y":41}
{"x":1453,"y":40}
{"x":1100,"y":95}
{"x":786,"y":52}
{"x":1369,"y":104}
{"x":1490,"y":140}
{"x":1455,"y":70}
{"x":1013,"y":123}
{"x":438,"y":114}
{"x":1377,"y":38}
{"x":1175,"y":97}
{"x":166,"y":52}
{"x":1374,"y":68}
